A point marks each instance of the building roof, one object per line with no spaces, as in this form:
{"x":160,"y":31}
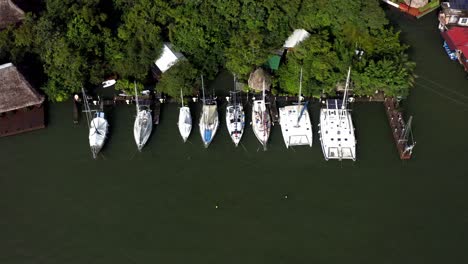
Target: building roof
{"x":9,"y":13}
{"x":456,"y":37}
{"x":458,"y":4}
{"x":15,"y":91}
{"x":296,"y":37}
{"x":168,"y":58}
{"x":273,"y":62}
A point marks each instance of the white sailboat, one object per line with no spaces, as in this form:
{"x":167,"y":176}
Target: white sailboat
{"x":143,"y":123}
{"x":295,"y":122}
{"x":209,"y":120}
{"x":261,"y":122}
{"x":98,"y":126}
{"x":336,"y":128}
{"x":185,"y":119}
{"x":235,"y":117}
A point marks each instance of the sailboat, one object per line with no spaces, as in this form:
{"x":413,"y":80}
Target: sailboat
{"x":185,"y":119}
{"x":143,"y":123}
{"x":209,"y":120}
{"x":336,"y":128}
{"x":235,"y":117}
{"x":261,"y":122}
{"x":98,"y":126}
{"x":295,"y":122}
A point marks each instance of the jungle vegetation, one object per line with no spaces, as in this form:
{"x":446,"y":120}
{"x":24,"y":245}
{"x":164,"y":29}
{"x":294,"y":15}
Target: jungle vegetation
{"x":80,"y":43}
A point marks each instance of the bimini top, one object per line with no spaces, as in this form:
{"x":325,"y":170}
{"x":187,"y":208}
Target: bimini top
{"x":458,"y":4}
{"x":15,"y":91}
{"x":10,"y":14}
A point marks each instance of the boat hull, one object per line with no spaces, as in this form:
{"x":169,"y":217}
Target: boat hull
{"x":98,"y":129}
{"x":209,"y":122}
{"x":185,"y":122}
{"x":142,"y":128}
{"x":337,"y":134}
{"x":261,"y":122}
{"x":235,"y":122}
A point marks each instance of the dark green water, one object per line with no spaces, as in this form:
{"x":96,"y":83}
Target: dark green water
{"x":57,"y":205}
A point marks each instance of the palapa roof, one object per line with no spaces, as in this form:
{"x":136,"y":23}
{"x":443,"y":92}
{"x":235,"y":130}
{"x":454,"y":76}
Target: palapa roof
{"x":9,"y":13}
{"x":296,"y":37}
{"x":168,"y":58}
{"x":256,"y":80}
{"x":15,"y":91}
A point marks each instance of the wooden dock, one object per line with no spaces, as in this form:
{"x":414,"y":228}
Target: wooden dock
{"x":273,"y":109}
{"x":399,"y":128}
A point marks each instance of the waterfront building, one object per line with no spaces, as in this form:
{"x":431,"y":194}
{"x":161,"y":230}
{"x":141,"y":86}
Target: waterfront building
{"x":416,"y":8}
{"x":456,"y":44}
{"x":10,"y":14}
{"x":453,"y":13}
{"x":21,"y":107}
{"x":169,"y":57}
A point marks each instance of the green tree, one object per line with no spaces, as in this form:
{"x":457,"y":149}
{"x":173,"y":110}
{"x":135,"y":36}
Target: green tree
{"x":180,"y":76}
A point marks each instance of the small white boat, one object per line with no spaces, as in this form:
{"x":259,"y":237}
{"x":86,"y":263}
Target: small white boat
{"x":143,"y":123}
{"x":336,"y":128}
{"x":185,"y":120}
{"x":295,"y":123}
{"x":209,"y":120}
{"x":261,"y":122}
{"x":235,"y":117}
{"x":108,"y":83}
{"x":98,"y":126}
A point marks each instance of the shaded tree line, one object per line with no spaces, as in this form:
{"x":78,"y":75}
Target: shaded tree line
{"x":80,"y":43}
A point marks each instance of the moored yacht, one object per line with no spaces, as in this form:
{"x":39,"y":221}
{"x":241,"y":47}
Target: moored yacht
{"x":143,"y":123}
{"x":261,"y":122}
{"x":185,"y":119}
{"x":295,"y":123}
{"x":336,"y":128}
{"x":235,"y":117}
{"x":97,"y":124}
{"x":209,"y":120}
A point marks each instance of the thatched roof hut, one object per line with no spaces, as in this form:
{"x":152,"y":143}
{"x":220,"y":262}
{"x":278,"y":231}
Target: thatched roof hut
{"x":10,"y":14}
{"x":15,"y":91}
{"x":256,"y":80}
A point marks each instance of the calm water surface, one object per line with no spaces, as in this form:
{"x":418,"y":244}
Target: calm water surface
{"x":57,"y":205}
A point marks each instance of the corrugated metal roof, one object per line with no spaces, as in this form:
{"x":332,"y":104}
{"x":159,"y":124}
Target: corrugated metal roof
{"x":296,"y":37}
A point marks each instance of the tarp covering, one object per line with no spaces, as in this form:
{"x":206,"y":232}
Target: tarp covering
{"x":458,"y":4}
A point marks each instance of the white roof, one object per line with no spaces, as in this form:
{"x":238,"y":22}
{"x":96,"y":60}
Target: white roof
{"x":296,"y":37}
{"x":168,"y":58}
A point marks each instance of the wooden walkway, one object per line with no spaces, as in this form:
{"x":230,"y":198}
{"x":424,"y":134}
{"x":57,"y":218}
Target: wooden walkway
{"x":397,"y":124}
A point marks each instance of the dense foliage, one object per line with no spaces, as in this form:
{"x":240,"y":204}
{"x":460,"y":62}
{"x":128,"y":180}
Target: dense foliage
{"x":80,"y":43}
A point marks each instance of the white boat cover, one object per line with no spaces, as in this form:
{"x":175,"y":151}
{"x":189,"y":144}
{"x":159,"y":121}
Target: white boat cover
{"x":185,"y":122}
{"x":208,"y":123}
{"x":261,"y":123}
{"x":235,"y":121}
{"x":142,"y":127}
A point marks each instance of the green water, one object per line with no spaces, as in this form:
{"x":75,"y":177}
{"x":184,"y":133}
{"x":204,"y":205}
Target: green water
{"x":57,"y":205}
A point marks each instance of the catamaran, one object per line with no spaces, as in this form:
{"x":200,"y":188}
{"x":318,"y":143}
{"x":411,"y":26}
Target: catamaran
{"x":209,"y":120}
{"x":261,"y":123}
{"x":235,"y":117}
{"x":98,"y":126}
{"x":336,"y":128}
{"x":185,"y":119}
{"x":143,"y":123}
{"x":295,"y":122}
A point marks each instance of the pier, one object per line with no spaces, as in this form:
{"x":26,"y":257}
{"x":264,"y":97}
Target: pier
{"x":400,"y":130}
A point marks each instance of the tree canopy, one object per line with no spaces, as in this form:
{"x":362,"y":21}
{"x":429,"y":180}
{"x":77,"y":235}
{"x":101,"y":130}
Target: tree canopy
{"x":81,"y":43}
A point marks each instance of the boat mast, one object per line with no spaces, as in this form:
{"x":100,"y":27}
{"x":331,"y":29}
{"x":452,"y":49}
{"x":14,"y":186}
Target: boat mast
{"x":300,"y":89}
{"x":181,"y":98}
{"x":345,"y":95}
{"x":136,"y":97}
{"x":203,"y":89}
